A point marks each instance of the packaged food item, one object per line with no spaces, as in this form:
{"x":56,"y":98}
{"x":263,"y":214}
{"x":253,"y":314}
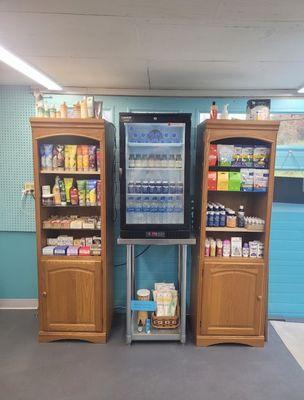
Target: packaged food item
{"x":247,"y":179}
{"x":92,"y":158}
{"x":258,"y":109}
{"x":95,"y":250}
{"x":62,"y":192}
{"x":68,"y":183}
{"x":246,"y":250}
{"x":222,"y":180}
{"x":225,"y":154}
{"x":212,"y":248}
{"x":234,"y":184}
{"x":72,"y":250}
{"x":237,"y":156}
{"x":42,"y":157}
{"x":56,"y":192}
{"x":98,"y":158}
{"x":48,"y":153}
{"x":260,"y":180}
{"x":74,"y":196}
{"x":207,"y":248}
{"x":91,"y":192}
{"x":81,"y":184}
{"x":77,"y":110}
{"x":76,"y":223}
{"x":72,"y":154}
{"x":212,"y":154}
{"x":211,"y":180}
{"x":98,"y":192}
{"x":48,"y":200}
{"x":83,"y":108}
{"x":231,"y":219}
{"x":85,"y":157}
{"x":48,"y":250}
{"x":90,"y":106}
{"x":253,"y":249}
{"x":247,"y":156}
{"x":64,"y":240}
{"x":64,"y":110}
{"x":60,"y":156}
{"x":52,"y":241}
{"x":260,"y":252}
{"x":236,"y":247}
{"x":84,"y":251}
{"x":89,"y":223}
{"x":96,"y":240}
{"x":219,"y":248}
{"x":67,"y":157}
{"x":79,"y":158}
{"x":261,"y":156}
{"x":60,"y":250}
{"x":46,"y":190}
{"x":226,"y":248}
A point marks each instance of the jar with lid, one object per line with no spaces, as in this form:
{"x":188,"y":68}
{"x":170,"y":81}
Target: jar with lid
{"x":231,"y":219}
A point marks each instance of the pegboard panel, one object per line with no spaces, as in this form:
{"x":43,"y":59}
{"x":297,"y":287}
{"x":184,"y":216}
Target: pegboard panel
{"x":16,"y":165}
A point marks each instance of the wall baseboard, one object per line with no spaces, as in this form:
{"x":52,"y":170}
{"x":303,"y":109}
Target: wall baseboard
{"x":18,"y":304}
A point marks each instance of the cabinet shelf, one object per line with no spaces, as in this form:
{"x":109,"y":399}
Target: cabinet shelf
{"x":168,"y":145}
{"x":226,"y":229}
{"x":70,"y":206}
{"x":46,"y":172}
{"x":233,"y":260}
{"x":154,"y":169}
{"x":72,"y":229}
{"x":71,"y":258}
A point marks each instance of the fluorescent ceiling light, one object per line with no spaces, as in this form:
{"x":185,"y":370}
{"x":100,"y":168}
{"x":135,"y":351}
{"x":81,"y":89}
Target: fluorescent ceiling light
{"x":301,"y":90}
{"x":15,"y":62}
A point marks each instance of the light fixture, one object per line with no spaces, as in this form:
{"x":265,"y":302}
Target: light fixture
{"x":15,"y":62}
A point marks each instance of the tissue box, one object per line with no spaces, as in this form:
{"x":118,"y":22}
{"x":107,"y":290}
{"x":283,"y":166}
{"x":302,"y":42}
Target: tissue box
{"x":84,"y":251}
{"x":60,"y":250}
{"x":72,"y":250}
{"x":48,"y":250}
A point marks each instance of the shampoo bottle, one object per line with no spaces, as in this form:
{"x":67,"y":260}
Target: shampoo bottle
{"x":213,"y":110}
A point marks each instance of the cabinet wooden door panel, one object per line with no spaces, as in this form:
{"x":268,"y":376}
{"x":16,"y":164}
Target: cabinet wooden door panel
{"x":72,"y":295}
{"x":232,"y":299}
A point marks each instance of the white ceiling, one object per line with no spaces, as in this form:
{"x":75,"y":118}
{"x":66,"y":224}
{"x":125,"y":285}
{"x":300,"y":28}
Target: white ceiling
{"x":159,"y":44}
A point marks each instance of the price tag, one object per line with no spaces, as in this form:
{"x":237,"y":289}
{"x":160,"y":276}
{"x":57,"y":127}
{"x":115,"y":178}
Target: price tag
{"x":142,"y":305}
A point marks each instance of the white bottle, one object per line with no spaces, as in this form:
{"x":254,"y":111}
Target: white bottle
{"x":225,"y":113}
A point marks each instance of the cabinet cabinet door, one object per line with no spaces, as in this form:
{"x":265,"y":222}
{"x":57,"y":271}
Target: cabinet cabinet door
{"x":232,"y":299}
{"x":71,"y":295}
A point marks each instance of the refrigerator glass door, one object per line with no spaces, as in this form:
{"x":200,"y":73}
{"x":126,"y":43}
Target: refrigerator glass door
{"x":155,"y":178}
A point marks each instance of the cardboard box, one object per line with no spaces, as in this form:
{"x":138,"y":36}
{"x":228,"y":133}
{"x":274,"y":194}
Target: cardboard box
{"x":247,"y":179}
{"x":84,"y":251}
{"x":260,"y":180}
{"x":48,"y":250}
{"x":236,"y":247}
{"x":222,"y":180}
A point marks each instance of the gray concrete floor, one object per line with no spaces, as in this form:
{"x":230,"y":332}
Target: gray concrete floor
{"x":143,"y":371}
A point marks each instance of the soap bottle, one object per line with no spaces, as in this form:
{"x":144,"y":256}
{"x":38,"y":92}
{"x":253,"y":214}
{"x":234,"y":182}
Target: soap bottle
{"x":225,"y":113}
{"x":213,"y":110}
{"x":64,"y":110}
{"x":241,"y":217}
{"x":56,"y":192}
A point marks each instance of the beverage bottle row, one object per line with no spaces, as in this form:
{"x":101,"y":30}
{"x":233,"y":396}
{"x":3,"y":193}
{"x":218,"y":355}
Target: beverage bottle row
{"x":154,"y":136}
{"x":155,"y":161}
{"x":155,"y":187}
{"x":154,"y":210}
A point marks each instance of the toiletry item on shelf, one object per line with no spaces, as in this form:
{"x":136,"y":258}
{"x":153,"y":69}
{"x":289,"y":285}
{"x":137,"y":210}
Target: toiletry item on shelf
{"x":72,"y":250}
{"x":226,"y":248}
{"x":207,"y":248}
{"x":140,"y":327}
{"x":225,"y":113}
{"x":62,"y":192}
{"x":92,"y":158}
{"x":225,"y":154}
{"x":219,"y":248}
{"x":79,"y":162}
{"x":253,"y":249}
{"x":212,"y":247}
{"x":241,"y":217}
{"x":254,"y":223}
{"x":63,"y":110}
{"x":81,"y":185}
{"x":236,"y":247}
{"x":261,"y":156}
{"x":56,"y":192}
{"x":213,"y":111}
{"x":212,"y":155}
{"x":83,"y":108}
{"x":84,"y":251}
{"x":60,"y":250}
{"x":212,"y":182}
{"x":245,"y":252}
{"x":260,"y":180}
{"x":77,"y":110}
{"x":48,"y":250}
{"x":231,"y":219}
{"x":234,"y":184}
{"x":247,"y":175}
{"x":247,"y":156}
{"x":90,"y":106}
{"x":46,"y":190}
{"x":237,"y":156}
{"x":148,"y":326}
{"x":258,"y":109}
{"x":222,"y":180}
{"x":68,"y":183}
{"x":48,"y":154}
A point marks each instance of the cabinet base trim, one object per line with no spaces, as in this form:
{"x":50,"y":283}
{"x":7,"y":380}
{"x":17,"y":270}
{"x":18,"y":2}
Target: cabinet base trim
{"x":93,"y":337}
{"x":254,"y":341}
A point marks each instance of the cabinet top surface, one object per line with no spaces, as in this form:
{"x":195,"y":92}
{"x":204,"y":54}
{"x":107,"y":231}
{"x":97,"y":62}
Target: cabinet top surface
{"x":93,"y":122}
{"x":219,"y":123}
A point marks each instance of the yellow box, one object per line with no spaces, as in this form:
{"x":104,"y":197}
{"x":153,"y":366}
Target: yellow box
{"x":222,"y":180}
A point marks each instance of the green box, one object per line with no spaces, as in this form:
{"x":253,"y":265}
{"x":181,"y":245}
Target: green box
{"x":234,"y":184}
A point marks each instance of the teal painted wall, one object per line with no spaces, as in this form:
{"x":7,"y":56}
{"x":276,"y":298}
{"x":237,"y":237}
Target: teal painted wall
{"x":17,"y":240}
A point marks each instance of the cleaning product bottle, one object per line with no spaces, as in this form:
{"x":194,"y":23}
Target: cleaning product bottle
{"x":213,"y":110}
{"x":225,"y":113}
{"x":56,"y":192}
{"x":241,"y":217}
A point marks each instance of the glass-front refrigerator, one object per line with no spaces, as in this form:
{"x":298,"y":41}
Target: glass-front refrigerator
{"x":154,"y":173}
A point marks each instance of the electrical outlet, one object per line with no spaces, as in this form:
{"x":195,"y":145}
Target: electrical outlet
{"x":28,"y":186}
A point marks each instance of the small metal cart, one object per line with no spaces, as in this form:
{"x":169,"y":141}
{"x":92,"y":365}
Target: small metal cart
{"x":178,"y":334}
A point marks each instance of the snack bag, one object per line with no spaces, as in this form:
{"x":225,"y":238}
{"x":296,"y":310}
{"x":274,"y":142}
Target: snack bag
{"x":79,"y":158}
{"x":92,"y":158}
{"x":55,"y":158}
{"x":68,"y":183}
{"x":247,"y":156}
{"x":67,"y":157}
{"x":91,"y":192}
{"x":225,"y":154}
{"x":60,"y":156}
{"x":85,"y":157}
{"x":81,"y":185}
{"x":261,"y":156}
{"x":72,"y":161}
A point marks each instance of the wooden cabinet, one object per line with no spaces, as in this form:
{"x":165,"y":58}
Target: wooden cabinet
{"x":229,"y":294}
{"x":232,"y":299}
{"x":75,"y":292}
{"x":72,"y":296}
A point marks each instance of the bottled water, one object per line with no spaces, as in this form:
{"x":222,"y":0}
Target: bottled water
{"x":146,"y":210}
{"x":154,"y":211}
{"x":138,"y":210}
{"x":130,"y":210}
